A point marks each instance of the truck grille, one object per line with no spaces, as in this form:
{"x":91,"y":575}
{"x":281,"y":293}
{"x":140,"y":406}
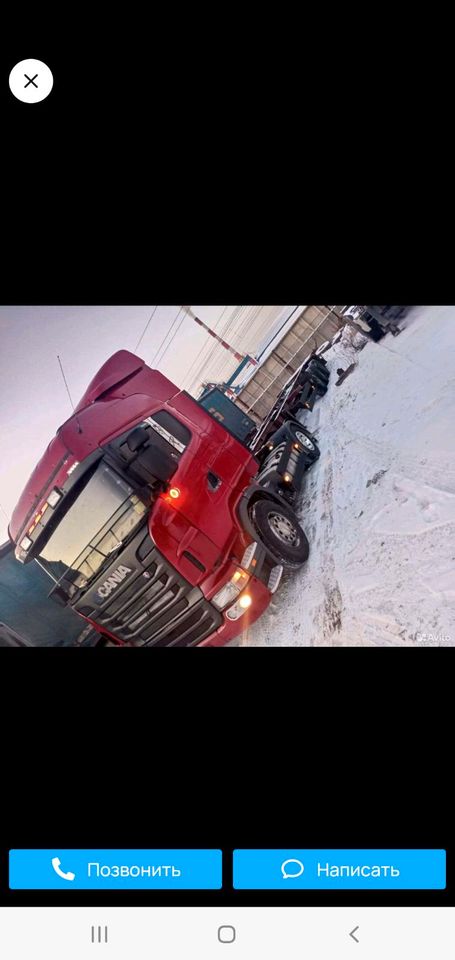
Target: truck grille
{"x":154,"y":605}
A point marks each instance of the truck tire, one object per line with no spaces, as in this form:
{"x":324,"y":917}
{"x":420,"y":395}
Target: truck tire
{"x":313,"y":380}
{"x":280,"y":532}
{"x":320,"y":375}
{"x":318,"y":379}
{"x":294,"y":430}
{"x":311,"y":374}
{"x":298,"y":433}
{"x":321,"y":389}
{"x":320,"y":365}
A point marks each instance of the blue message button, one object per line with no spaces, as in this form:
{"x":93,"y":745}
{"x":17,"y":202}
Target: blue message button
{"x":339,"y":869}
{"x":115,"y":869}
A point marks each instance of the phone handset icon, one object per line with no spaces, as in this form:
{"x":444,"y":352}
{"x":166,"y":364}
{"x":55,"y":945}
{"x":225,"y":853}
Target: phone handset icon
{"x":61,"y":873}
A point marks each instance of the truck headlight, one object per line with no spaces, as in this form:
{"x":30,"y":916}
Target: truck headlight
{"x":238,"y":609}
{"x":25,"y":543}
{"x":245,"y":601}
{"x":231,"y":590}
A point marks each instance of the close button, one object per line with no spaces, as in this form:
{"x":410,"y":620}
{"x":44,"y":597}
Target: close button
{"x":31,"y":81}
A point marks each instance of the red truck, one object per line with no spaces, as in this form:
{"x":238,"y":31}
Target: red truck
{"x":154,"y":518}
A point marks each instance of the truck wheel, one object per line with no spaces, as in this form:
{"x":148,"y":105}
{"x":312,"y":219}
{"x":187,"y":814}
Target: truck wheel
{"x":316,"y":373}
{"x":280,"y":533}
{"x":320,"y":365}
{"x":319,"y":380}
{"x":320,"y":383}
{"x":313,"y":375}
{"x":320,"y":390}
{"x":299,"y":434}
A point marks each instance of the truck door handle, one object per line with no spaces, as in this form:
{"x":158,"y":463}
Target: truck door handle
{"x":213,"y":482}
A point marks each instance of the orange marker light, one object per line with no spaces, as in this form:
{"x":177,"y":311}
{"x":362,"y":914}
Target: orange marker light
{"x":174,"y":492}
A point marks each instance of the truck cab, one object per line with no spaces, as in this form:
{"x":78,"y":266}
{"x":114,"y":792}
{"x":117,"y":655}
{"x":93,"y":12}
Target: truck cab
{"x":140,"y":513}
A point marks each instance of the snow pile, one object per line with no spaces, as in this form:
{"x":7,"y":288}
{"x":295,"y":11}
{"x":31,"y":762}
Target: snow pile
{"x":379,"y":506}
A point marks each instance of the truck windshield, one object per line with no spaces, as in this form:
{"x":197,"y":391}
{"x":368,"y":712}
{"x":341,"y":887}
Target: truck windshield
{"x":101,"y":518}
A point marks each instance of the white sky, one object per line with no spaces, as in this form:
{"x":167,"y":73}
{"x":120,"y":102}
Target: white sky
{"x":33,"y":398}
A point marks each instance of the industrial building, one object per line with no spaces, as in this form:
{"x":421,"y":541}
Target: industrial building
{"x":306,"y":329}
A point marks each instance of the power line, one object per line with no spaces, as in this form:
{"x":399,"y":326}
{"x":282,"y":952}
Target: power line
{"x":263,"y":320}
{"x":173,"y":335}
{"x":211,"y":351}
{"x":215,"y":349}
{"x":259,"y":319}
{"x":196,"y":376}
{"x":225,"y":365}
{"x":248,"y":321}
{"x":5,"y":513}
{"x":205,"y":344}
{"x":165,"y":336}
{"x":146,"y":327}
{"x":65,"y":382}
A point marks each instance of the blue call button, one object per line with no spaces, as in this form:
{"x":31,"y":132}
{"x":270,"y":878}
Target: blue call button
{"x":115,"y":869}
{"x":339,"y":869}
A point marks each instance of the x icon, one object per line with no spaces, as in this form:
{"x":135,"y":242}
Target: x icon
{"x":30,"y":80}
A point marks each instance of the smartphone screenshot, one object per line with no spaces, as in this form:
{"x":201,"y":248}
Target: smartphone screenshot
{"x":227,"y":571}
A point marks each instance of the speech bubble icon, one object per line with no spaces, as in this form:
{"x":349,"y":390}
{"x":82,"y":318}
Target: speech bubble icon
{"x":291,"y":875}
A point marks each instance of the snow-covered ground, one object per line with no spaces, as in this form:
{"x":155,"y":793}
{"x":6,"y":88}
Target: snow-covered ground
{"x":378,"y":506}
